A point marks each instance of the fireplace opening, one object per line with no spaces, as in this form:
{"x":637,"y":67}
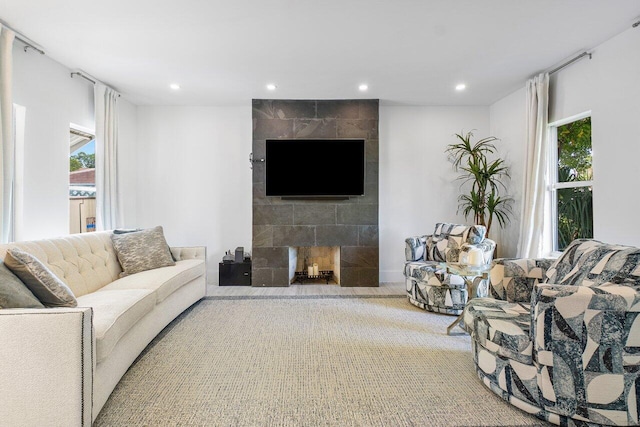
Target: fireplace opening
{"x":314,"y":265}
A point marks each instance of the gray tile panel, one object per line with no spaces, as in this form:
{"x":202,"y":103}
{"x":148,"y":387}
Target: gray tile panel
{"x":368,"y":235}
{"x":358,"y":214}
{"x":273,"y":214}
{"x":336,"y":235}
{"x":314,"y":214}
{"x":294,"y":235}
{"x":315,"y":128}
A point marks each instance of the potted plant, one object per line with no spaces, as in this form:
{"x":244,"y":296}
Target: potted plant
{"x":483,"y":200}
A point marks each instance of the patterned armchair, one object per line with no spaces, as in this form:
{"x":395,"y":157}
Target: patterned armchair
{"x":429,"y":286}
{"x":561,"y":338}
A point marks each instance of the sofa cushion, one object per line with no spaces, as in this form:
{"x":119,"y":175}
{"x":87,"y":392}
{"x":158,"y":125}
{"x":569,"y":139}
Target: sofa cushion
{"x":501,"y":327}
{"x":142,"y":250}
{"x":423,"y":270}
{"x":437,"y":248}
{"x":46,"y":286}
{"x":114,"y":313}
{"x":430,"y":287}
{"x":164,"y":281}
{"x":14,"y":293}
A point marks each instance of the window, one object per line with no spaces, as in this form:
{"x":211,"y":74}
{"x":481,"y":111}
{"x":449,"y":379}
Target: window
{"x":82,"y":181}
{"x":571,"y":179}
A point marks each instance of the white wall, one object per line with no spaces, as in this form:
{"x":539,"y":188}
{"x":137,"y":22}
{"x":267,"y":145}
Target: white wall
{"x":418,"y":186}
{"x":128,"y":160}
{"x":53,"y":100}
{"x":608,"y":86}
{"x":508,"y":123}
{"x":193,"y":177}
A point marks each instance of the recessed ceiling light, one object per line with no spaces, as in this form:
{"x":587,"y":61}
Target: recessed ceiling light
{"x":271,"y":86}
{"x":174,"y":86}
{"x":363,"y":87}
{"x":461,"y":86}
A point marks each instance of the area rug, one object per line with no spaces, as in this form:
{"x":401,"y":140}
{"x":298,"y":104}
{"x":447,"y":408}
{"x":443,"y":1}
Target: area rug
{"x":307,"y":361}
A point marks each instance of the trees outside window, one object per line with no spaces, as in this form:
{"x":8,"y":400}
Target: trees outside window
{"x":82,"y":160}
{"x":572,"y":181}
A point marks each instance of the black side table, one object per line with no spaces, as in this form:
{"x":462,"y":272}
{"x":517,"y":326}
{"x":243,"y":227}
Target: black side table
{"x":235,"y":273}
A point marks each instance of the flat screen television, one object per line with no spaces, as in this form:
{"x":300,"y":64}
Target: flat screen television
{"x":315,"y":167}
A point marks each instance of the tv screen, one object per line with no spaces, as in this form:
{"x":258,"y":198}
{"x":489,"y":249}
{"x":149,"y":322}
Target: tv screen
{"x":315,"y":167}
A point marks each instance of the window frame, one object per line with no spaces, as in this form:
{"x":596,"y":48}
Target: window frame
{"x":554,"y":185}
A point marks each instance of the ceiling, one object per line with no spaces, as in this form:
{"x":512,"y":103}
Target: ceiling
{"x":225,"y":52}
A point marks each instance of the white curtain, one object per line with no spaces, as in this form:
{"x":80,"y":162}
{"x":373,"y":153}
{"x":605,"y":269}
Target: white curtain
{"x":533,"y":241}
{"x":6,"y":134}
{"x":108,"y":206}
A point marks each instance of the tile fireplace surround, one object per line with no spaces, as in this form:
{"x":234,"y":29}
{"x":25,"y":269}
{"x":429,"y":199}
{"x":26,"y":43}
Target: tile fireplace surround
{"x":352,"y":224}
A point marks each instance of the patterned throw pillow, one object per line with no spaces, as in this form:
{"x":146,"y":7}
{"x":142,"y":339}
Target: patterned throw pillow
{"x":14,"y":293}
{"x":46,"y":286}
{"x":459,"y":233}
{"x":142,"y":250}
{"x":448,"y":239}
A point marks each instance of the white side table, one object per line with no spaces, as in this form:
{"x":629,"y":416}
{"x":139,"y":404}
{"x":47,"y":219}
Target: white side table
{"x":472,"y":276}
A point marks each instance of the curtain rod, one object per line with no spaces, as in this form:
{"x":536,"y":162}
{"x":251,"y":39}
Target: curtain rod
{"x":28,"y":43}
{"x":92,"y":80}
{"x":78,"y":73}
{"x":571,"y":61}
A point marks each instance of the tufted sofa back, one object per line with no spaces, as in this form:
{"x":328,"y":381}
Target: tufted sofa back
{"x":85,"y":262}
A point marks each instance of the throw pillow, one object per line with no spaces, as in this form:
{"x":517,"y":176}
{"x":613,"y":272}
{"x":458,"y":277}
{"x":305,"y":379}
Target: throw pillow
{"x":142,"y":250}
{"x":126,"y":230}
{"x":133,"y":230}
{"x":14,"y":293}
{"x":46,"y":286}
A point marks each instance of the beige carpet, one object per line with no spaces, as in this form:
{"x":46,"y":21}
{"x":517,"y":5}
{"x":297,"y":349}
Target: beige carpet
{"x":307,"y":361}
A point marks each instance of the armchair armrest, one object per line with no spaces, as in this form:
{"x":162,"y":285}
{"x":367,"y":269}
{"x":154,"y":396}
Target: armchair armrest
{"x":513,"y":279}
{"x":189,"y":252}
{"x":586,"y":342}
{"x":46,"y":366}
{"x":415,"y":247}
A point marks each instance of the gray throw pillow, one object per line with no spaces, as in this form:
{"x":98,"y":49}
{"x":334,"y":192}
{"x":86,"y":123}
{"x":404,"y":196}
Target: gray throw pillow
{"x":133,"y":230}
{"x":46,"y":286}
{"x":126,"y":230}
{"x":14,"y":293}
{"x":142,"y":250}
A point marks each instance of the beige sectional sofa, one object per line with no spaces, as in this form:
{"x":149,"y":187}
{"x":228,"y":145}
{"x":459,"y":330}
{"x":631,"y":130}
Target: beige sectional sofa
{"x":58,"y":366}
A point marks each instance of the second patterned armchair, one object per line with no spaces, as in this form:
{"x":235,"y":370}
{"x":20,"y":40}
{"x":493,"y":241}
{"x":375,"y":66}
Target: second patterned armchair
{"x":429,"y":285}
{"x":560,"y":339}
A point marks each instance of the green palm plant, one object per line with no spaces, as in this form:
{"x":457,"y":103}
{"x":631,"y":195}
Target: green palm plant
{"x":483,"y":201}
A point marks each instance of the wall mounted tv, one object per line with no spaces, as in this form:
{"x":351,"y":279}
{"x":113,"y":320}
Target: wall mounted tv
{"x":308,"y":168}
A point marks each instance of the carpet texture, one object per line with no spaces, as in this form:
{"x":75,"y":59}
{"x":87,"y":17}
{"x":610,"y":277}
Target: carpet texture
{"x":307,"y":361}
